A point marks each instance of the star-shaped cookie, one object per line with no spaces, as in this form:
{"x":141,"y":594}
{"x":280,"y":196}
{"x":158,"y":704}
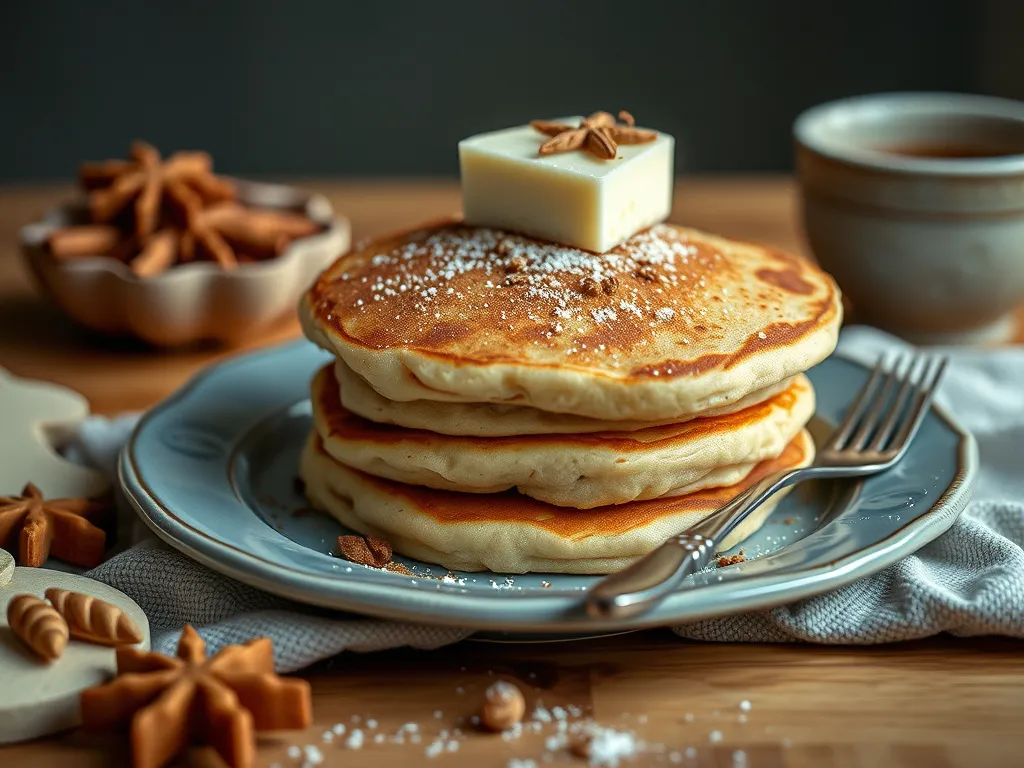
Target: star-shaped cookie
{"x":35,"y":528}
{"x":171,"y":702}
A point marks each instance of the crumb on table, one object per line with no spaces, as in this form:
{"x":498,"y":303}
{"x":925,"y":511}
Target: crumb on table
{"x":725,"y":560}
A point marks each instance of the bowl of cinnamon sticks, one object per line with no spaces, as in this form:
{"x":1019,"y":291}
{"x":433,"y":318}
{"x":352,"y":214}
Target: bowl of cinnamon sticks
{"x":166,"y":250}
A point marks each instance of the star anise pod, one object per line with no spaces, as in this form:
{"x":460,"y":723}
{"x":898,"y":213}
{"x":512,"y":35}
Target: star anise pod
{"x":598,"y":133}
{"x":39,"y":527}
{"x":172,"y":702}
{"x":148,"y":183}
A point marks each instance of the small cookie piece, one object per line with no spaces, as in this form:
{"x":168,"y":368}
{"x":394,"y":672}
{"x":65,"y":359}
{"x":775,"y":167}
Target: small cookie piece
{"x":171,"y":702}
{"x":380,"y":549}
{"x":355,"y":550}
{"x":38,"y":625}
{"x":93,"y":620}
{"x":504,"y":706}
{"x":725,"y":561}
{"x":372,"y":551}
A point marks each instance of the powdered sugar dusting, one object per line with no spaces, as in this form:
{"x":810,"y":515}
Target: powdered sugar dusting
{"x":608,"y":746}
{"x":436,"y":287}
{"x":560,"y":733}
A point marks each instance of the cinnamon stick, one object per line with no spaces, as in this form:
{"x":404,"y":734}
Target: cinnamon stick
{"x":86,"y":240}
{"x":126,"y":249}
{"x":213,"y":189}
{"x":105,"y":204}
{"x":182,"y":164}
{"x":147,"y":207}
{"x":187,"y":248}
{"x":204,"y":219}
{"x":223,"y":211}
{"x":144,"y":153}
{"x":158,"y":254}
{"x":215,"y":246}
{"x":97,"y":175}
{"x":258,"y":242}
{"x":187,"y":204}
{"x":291,"y":224}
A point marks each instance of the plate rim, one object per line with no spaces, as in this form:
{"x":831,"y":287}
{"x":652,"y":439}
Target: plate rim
{"x":449,"y":609}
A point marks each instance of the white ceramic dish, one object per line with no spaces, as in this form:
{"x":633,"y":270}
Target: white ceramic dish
{"x":212,"y":471}
{"x":928,"y":247}
{"x":192,"y":302}
{"x":39,"y":698}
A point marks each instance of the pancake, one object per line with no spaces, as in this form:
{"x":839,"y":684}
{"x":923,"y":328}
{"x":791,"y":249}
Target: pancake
{"x":668,"y":324}
{"x":495,"y":419}
{"x":581,"y":471}
{"x":511,"y":533}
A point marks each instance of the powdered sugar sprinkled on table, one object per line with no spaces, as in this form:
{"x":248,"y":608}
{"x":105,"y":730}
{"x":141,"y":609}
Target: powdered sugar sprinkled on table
{"x":355,"y":739}
{"x":311,"y":756}
{"x":608,"y":747}
{"x":560,"y":731}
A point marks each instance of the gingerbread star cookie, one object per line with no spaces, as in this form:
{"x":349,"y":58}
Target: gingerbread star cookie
{"x":170,"y":703}
{"x":34,"y":528}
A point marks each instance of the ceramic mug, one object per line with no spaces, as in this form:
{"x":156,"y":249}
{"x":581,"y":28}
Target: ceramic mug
{"x":914,"y":202}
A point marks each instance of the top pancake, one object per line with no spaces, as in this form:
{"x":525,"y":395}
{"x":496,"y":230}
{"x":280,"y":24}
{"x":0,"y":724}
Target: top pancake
{"x":671,"y":323}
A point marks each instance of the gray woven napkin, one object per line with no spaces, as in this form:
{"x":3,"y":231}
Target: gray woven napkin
{"x":970,"y":581}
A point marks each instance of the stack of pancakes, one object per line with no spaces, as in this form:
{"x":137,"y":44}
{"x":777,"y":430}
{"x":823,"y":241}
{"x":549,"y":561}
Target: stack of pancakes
{"x":498,"y":402}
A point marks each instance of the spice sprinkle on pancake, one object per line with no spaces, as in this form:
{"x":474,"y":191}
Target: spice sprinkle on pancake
{"x":666,"y":325}
{"x":511,"y":533}
{"x":583,"y":471}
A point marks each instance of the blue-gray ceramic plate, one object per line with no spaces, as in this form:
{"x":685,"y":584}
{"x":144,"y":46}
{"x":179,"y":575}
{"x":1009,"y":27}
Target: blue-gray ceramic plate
{"x":213,"y":469}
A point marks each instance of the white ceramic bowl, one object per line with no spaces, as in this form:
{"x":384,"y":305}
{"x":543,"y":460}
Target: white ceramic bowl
{"x":191,"y":302}
{"x":928,"y":247}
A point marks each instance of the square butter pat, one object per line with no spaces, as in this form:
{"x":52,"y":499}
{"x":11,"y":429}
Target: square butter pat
{"x":573,"y":198}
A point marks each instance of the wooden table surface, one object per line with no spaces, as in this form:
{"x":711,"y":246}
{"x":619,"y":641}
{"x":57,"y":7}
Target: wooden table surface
{"x":936,"y":702}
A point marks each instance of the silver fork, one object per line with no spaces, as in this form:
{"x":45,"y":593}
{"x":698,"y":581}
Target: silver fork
{"x":874,"y":436}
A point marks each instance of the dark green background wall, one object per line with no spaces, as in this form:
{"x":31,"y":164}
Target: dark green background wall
{"x":387,"y":88}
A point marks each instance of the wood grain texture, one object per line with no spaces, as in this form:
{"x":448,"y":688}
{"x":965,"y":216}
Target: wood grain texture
{"x":938,"y":702}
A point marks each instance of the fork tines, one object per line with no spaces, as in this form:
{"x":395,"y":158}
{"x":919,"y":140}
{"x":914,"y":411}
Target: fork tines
{"x":889,"y":408}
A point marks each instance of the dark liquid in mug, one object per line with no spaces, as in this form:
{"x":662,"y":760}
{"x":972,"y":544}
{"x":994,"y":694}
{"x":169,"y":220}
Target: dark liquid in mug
{"x":950,"y":151}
